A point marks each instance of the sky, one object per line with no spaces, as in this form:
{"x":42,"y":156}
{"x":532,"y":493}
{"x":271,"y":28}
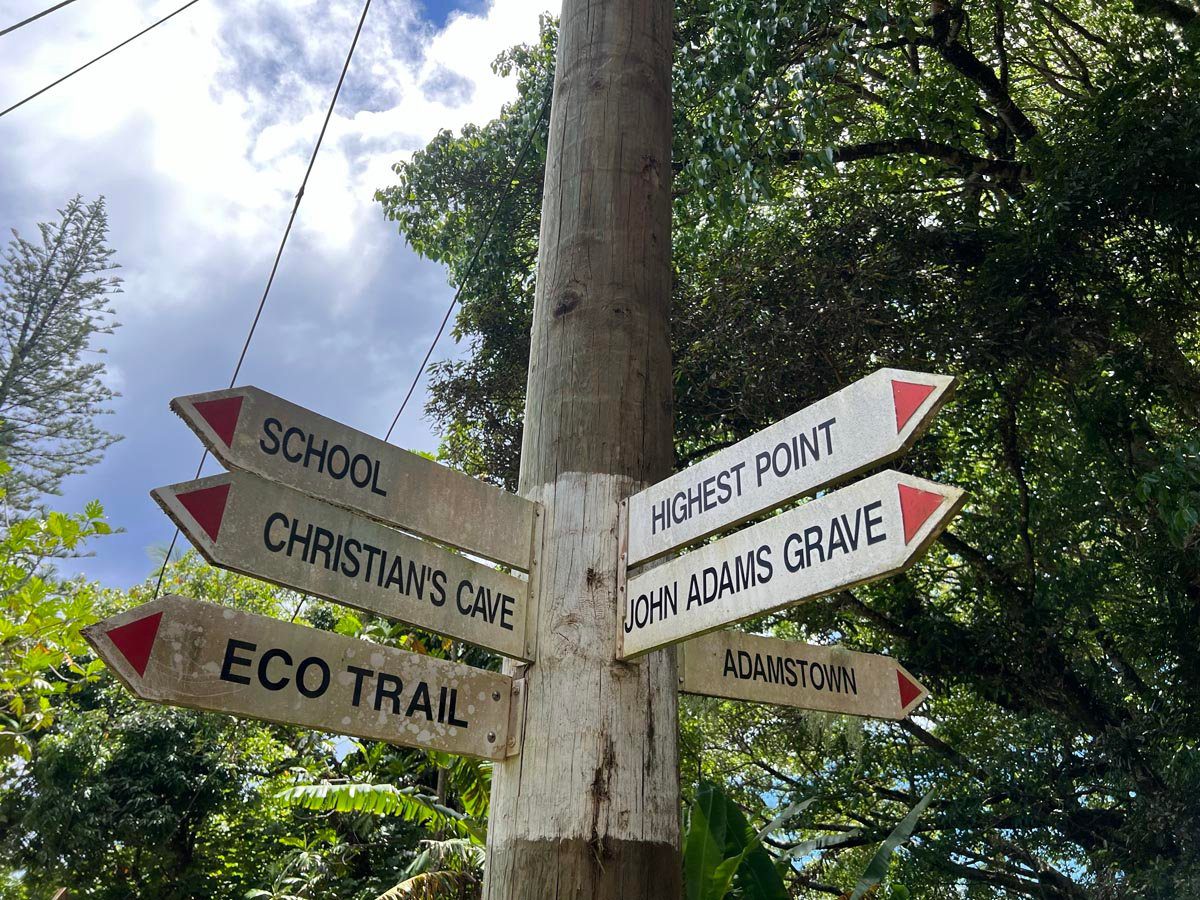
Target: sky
{"x":197,"y":135}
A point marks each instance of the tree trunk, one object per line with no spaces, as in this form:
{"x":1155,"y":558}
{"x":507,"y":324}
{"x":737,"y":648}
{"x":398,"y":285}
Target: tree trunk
{"x":590,"y":807}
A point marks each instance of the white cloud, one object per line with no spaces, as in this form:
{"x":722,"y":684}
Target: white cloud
{"x":198,"y":134}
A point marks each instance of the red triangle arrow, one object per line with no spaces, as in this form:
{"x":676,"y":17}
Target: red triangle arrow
{"x":909,"y":690}
{"x":916,"y":506}
{"x":135,"y":640}
{"x":907,"y":398}
{"x":207,"y":506}
{"x":221,"y":415}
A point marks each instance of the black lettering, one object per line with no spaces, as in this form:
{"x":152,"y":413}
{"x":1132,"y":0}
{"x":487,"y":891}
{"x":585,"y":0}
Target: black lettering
{"x":265,"y":679}
{"x":322,"y":543}
{"x":766,"y":570}
{"x":658,"y":516}
{"x":812,"y":541}
{"x":230,"y":661}
{"x":789,"y":666}
{"x":375,"y":488}
{"x":458,"y":597}
{"x":814,"y":670}
{"x":396,"y":574}
{"x":873,"y":538}
{"x":438,"y":580}
{"x":287,"y":437}
{"x":334,"y":473}
{"x":359,"y":676}
{"x":826,"y":426}
{"x":271,"y":520}
{"x":304,"y":666}
{"x":310,"y":451}
{"x":420,"y":701}
{"x":453,"y":720}
{"x":366,"y":477}
{"x":388,"y":686}
{"x":272,"y":448}
{"x":294,"y":538}
{"x":351,"y":565}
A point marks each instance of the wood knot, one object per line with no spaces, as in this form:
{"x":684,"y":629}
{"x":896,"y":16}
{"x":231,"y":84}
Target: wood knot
{"x":568,"y":301}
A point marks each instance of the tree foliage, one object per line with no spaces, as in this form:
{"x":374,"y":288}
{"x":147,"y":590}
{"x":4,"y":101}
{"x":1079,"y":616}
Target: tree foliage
{"x":42,"y":654}
{"x":1005,"y":191}
{"x":54,"y":301}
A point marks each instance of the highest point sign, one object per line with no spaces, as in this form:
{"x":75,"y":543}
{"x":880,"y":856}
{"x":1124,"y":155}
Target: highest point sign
{"x":869,"y":422}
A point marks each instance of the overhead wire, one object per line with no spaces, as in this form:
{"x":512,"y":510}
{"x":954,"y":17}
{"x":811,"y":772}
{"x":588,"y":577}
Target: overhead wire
{"x":236,"y":731}
{"x":36,"y":16}
{"x":471,"y":263}
{"x":278,"y":256}
{"x":97,"y":59}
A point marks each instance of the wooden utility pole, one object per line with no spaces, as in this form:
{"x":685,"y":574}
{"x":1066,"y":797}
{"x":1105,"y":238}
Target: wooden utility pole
{"x":590,"y":808}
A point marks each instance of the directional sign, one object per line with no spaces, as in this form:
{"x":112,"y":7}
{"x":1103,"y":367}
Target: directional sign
{"x":740,"y":666}
{"x":869,"y":530}
{"x":871,"y":421}
{"x":249,"y":429}
{"x":201,"y":655}
{"x":247,"y":524}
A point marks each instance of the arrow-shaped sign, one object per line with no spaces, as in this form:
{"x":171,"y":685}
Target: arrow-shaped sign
{"x":864,"y":532}
{"x":740,"y":666}
{"x":869,"y":422}
{"x":183,"y":652}
{"x":254,"y":431}
{"x":247,"y":524}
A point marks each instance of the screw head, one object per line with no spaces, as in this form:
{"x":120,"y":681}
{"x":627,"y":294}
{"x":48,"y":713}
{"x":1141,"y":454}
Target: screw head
{"x":496,"y":696}
{"x":491,"y":737}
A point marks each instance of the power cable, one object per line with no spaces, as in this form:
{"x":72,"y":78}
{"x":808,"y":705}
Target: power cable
{"x":278,"y":256}
{"x":471,"y":264}
{"x":98,"y":58}
{"x":34,"y":18}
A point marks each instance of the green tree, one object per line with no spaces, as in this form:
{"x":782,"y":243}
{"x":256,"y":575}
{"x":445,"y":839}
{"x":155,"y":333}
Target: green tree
{"x":1004,"y":191}
{"x":42,"y":654}
{"x":54,"y":301}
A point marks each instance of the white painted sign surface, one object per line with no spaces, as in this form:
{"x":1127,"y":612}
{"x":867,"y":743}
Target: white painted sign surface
{"x":247,"y":524}
{"x":872,"y":420}
{"x":740,"y":666}
{"x":864,"y":532}
{"x":249,"y":429}
{"x":205,"y":656}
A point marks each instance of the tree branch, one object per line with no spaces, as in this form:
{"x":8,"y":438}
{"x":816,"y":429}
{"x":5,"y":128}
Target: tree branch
{"x":1176,"y":13}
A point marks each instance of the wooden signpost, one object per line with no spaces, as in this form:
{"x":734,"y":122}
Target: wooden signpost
{"x":247,"y":524}
{"x":740,"y":666}
{"x":868,"y":422}
{"x":254,"y":431}
{"x":201,"y":655}
{"x":864,"y":532}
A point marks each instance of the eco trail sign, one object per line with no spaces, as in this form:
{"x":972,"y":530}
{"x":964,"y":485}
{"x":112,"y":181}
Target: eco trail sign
{"x":740,"y":666}
{"x":869,"y":530}
{"x":184,"y":652}
{"x":248,"y":429}
{"x":866,"y":423}
{"x":247,"y":524}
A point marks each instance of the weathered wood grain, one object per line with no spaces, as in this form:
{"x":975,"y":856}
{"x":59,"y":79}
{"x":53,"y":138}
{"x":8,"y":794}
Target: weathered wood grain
{"x":591,"y":807}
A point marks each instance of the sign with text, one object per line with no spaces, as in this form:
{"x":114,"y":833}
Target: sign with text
{"x":183,"y":652}
{"x":247,"y":524}
{"x":254,"y":431}
{"x":864,"y":532}
{"x":872,"y":420}
{"x":739,"y":666}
